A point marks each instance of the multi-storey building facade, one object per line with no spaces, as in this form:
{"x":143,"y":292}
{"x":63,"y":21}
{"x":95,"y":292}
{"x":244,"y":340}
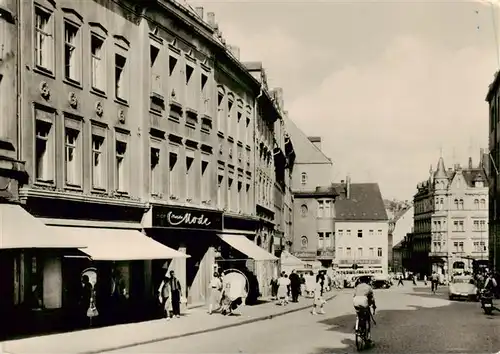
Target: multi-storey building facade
{"x":313,"y":200}
{"x":400,"y":224}
{"x":129,"y":122}
{"x":361,"y":227}
{"x":493,"y":99}
{"x":451,"y":228}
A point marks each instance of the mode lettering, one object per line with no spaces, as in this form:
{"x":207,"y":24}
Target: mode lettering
{"x":187,"y":218}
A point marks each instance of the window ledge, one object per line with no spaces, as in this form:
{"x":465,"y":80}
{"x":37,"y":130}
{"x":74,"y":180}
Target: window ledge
{"x":98,"y":92}
{"x":121,"y":101}
{"x":73,"y":83}
{"x":45,"y":183}
{"x":98,"y":190}
{"x":43,"y":71}
{"x":73,"y":187}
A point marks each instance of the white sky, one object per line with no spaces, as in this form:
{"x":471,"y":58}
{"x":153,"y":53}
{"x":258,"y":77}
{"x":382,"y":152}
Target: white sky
{"x":386,"y":84}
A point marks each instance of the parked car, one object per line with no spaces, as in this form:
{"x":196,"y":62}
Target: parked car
{"x":462,"y":287}
{"x":381,"y":282}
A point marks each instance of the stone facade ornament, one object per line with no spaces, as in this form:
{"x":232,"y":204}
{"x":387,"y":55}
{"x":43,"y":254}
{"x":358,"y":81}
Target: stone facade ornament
{"x":44,"y":90}
{"x":121,"y":116}
{"x":99,"y":110}
{"x":73,"y":100}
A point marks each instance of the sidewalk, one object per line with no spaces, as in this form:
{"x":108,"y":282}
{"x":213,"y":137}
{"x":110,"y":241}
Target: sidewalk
{"x":195,"y":321}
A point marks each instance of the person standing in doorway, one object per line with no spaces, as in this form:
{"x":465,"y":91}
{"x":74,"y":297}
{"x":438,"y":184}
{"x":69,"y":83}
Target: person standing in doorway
{"x":175,"y":286}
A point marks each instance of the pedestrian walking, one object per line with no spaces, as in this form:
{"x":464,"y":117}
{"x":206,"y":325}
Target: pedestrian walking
{"x":434,"y":282}
{"x":294,"y":286}
{"x":165,"y":294}
{"x":283,"y":283}
{"x":302,"y":285}
{"x":400,"y":280}
{"x":425,"y":279}
{"x":319,"y":301}
{"x":215,"y":293}
{"x":175,"y":286}
{"x":274,"y":288}
{"x":414,"y":279}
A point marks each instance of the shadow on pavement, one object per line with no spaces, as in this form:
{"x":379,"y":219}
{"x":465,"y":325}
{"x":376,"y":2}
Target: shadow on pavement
{"x":419,"y":329}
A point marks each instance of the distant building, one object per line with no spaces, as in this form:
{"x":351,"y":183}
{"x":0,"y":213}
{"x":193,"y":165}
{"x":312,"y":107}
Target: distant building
{"x":314,"y":198}
{"x":399,"y":226}
{"x":361,"y":227}
{"x":451,"y":226}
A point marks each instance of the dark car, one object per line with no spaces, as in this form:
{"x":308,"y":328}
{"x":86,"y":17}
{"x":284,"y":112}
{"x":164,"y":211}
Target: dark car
{"x":366,"y":278}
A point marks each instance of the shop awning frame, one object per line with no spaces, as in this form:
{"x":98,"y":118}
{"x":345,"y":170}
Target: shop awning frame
{"x":247,"y":247}
{"x":21,"y":230}
{"x":118,"y":244}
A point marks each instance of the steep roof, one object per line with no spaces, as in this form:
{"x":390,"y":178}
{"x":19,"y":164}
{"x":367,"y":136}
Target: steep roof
{"x":305,"y":151}
{"x":365,"y":203}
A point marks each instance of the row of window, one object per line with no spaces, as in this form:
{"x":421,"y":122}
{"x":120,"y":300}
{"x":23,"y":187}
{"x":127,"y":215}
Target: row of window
{"x":458,"y":247}
{"x":326,"y":209}
{"x":325,"y":240}
{"x":479,"y":204}
{"x":74,"y":55}
{"x":231,"y":119}
{"x":359,"y":233}
{"x":238,"y":194}
{"x":360,"y":252}
{"x":265,"y":191}
{"x":458,"y":225}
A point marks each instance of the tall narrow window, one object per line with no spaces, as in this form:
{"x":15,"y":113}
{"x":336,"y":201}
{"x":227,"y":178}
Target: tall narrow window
{"x":321,"y":240}
{"x":73,"y":165}
{"x":44,"y":150}
{"x":98,"y":64}
{"x":328,"y":240}
{"x":155,"y":74}
{"x":230,"y":194}
{"x":320,"y":209}
{"x":240,"y":197}
{"x":230,"y":123}
{"x":155,"y":171}
{"x":190,"y":87}
{"x":71,"y":57}
{"x":189,"y":178}
{"x":360,"y":252}
{"x":44,"y":39}
{"x":220,"y":111}
{"x":98,"y":162}
{"x":173,"y":70}
{"x":121,"y":175}
{"x":205,"y":181}
{"x":248,"y":199}
{"x":120,"y":77}
{"x":220,"y":191}
{"x":360,"y":233}
{"x":172,"y":178}
{"x":372,"y":252}
{"x":205,"y":95}
{"x":303,"y":178}
{"x":328,"y":210}
{"x":379,"y":252}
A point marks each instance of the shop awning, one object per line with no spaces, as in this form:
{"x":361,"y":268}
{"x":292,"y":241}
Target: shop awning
{"x":118,"y":244}
{"x":247,"y":247}
{"x":20,"y":229}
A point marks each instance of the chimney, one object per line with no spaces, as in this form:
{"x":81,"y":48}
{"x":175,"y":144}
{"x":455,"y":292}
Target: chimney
{"x":211,"y":19}
{"x":470,"y":163}
{"x":348,"y":187}
{"x":316,"y":140}
{"x":199,"y":11}
{"x":234,"y":50}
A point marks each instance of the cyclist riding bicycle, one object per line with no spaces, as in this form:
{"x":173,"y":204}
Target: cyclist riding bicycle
{"x":363,"y":298}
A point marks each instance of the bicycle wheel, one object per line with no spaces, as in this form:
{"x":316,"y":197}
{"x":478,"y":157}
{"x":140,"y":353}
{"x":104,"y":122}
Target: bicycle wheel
{"x":360,"y":335}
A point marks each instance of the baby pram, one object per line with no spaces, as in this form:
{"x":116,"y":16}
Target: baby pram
{"x":235,"y":291}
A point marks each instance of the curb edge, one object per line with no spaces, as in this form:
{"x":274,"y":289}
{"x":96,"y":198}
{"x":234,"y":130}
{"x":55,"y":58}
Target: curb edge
{"x":201,"y":331}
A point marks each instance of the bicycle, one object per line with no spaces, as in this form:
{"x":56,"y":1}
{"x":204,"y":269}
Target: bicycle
{"x":364,"y":318}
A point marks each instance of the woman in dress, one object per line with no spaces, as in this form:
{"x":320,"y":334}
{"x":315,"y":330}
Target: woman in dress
{"x":215,"y":293}
{"x":283,"y":283}
{"x":319,"y":302}
{"x":165,"y":297}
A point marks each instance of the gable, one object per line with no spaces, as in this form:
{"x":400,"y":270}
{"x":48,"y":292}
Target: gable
{"x":305,"y":151}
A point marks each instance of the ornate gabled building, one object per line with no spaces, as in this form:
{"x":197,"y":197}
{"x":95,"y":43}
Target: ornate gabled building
{"x":451,"y":226}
